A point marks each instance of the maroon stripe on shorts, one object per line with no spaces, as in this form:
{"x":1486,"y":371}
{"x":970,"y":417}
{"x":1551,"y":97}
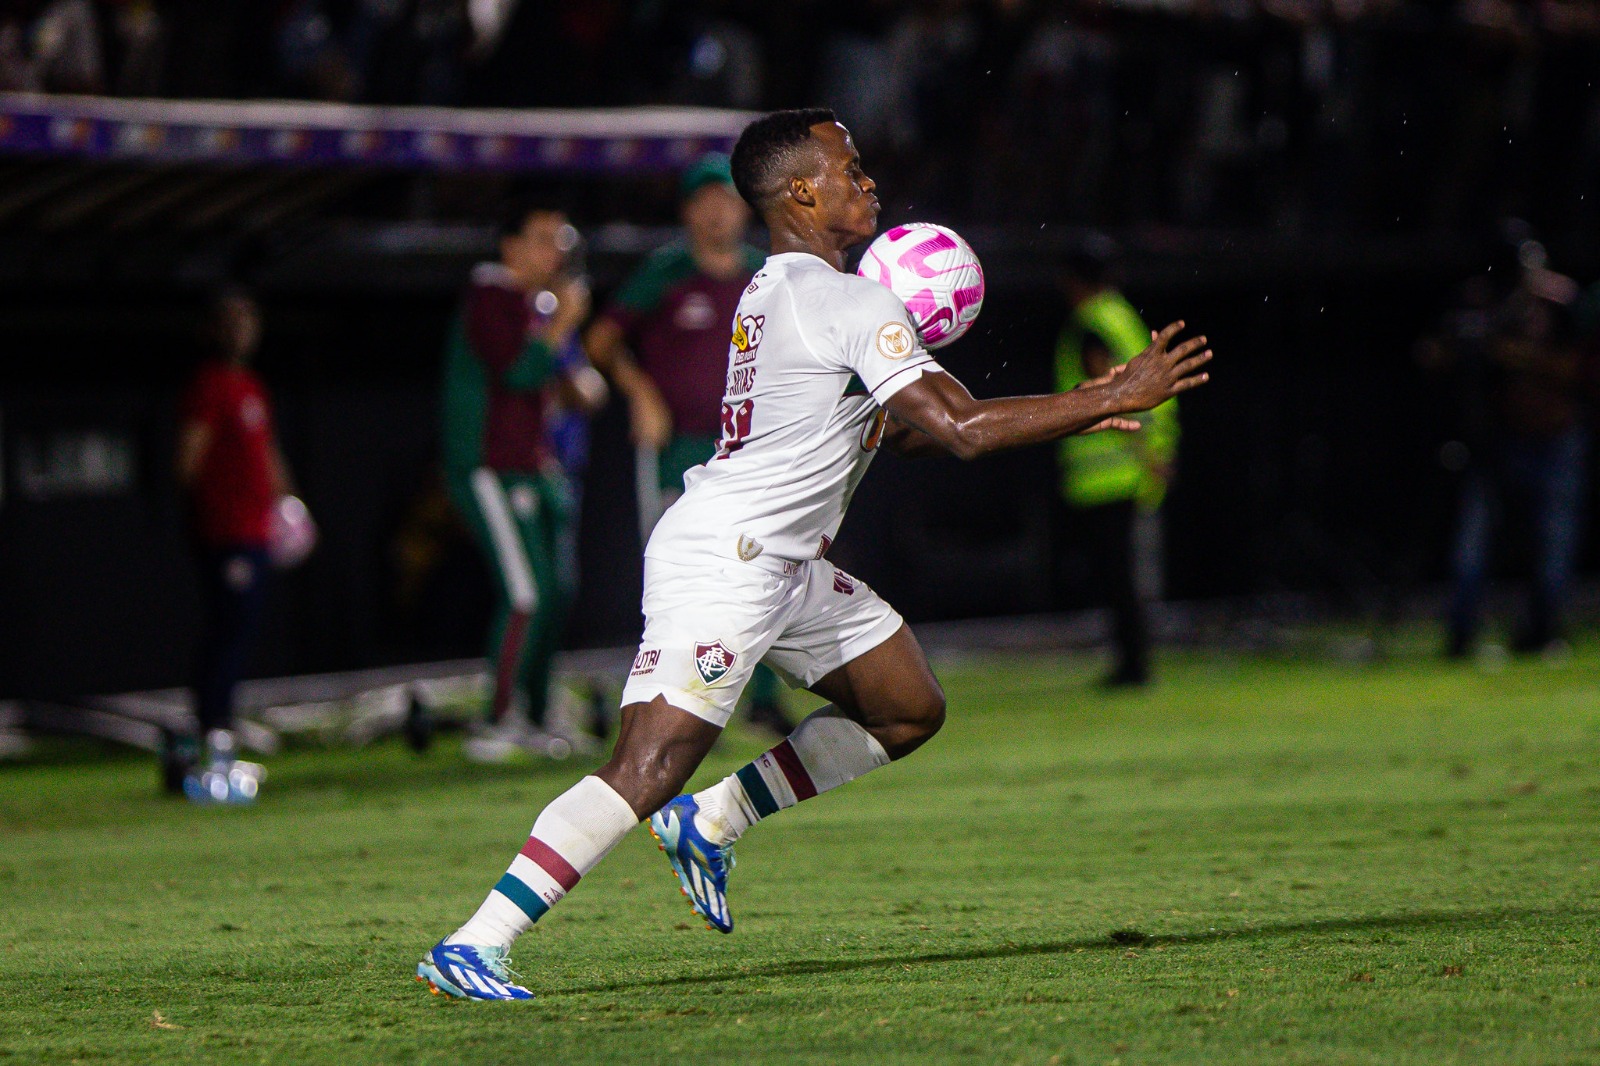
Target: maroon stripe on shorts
{"x":789,"y":763}
{"x":545,"y":858}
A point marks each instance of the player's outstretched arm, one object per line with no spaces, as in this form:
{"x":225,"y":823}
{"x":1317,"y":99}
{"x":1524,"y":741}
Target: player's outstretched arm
{"x":939,"y":407}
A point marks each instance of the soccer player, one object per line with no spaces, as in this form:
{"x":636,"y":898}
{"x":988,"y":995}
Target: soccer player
{"x":514,"y":342}
{"x":664,"y":341}
{"x":232,"y":470}
{"x":824,"y":366}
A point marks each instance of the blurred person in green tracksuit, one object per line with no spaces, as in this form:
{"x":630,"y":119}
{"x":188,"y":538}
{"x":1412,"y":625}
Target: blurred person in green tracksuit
{"x":663,"y":340}
{"x":1113,"y":484}
{"x":512,"y":355}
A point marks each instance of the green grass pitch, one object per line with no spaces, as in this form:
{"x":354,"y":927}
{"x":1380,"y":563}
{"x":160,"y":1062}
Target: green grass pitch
{"x":1259,"y":861}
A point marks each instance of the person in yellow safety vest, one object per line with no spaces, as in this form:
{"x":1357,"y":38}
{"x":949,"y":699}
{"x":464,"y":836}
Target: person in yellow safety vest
{"x":1113,"y":483}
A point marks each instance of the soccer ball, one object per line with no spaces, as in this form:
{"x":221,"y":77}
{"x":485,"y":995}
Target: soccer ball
{"x":935,"y":272}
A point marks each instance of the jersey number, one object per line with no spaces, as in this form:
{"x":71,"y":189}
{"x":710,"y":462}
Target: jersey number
{"x":735,"y":426}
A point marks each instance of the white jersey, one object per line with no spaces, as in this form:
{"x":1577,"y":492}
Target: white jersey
{"x":815,"y":354}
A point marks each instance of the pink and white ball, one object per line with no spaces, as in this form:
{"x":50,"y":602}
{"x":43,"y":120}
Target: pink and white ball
{"x":934,"y":272}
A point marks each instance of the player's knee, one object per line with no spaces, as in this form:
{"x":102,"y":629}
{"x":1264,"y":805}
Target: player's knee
{"x":648,"y":769}
{"x":930,"y":712}
{"x":921,"y":715}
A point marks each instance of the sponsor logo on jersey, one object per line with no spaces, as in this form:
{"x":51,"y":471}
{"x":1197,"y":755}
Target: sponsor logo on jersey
{"x":696,"y":312}
{"x":747,"y":333}
{"x":749,"y":547}
{"x":872,"y":431}
{"x":895,"y":340}
{"x":713,"y":661}
{"x":843,"y":582}
{"x":645,"y":662}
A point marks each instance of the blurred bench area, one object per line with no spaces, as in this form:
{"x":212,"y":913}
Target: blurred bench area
{"x":1311,"y":184}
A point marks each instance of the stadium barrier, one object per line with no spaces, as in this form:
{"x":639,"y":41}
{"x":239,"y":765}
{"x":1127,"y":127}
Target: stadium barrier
{"x":624,"y":140}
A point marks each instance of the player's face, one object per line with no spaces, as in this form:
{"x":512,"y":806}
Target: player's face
{"x":845,"y":195}
{"x":537,"y":254}
{"x":715,"y":216}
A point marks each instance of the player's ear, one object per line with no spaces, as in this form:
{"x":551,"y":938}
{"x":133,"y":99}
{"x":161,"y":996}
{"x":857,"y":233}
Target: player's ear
{"x":802,"y":193}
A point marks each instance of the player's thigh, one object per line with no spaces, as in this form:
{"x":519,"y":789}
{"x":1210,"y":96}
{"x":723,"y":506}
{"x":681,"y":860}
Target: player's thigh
{"x":838,"y":618}
{"x":890,"y":691}
{"x":706,"y":628}
{"x":849,"y":646}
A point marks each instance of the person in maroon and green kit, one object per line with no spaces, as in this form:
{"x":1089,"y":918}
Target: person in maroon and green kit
{"x":511,"y":351}
{"x":663,"y":341}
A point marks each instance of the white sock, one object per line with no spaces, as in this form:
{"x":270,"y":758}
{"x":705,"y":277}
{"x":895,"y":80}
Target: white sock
{"x":569,"y":839}
{"x":824,"y":751}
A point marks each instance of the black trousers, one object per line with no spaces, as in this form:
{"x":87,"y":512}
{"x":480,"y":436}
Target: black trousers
{"x":234,"y":581}
{"x":1104,"y":536}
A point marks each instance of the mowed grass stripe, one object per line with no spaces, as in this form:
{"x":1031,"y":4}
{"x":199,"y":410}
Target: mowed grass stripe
{"x":1301,"y":863}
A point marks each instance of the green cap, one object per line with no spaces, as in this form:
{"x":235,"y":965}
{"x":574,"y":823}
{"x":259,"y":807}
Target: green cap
{"x":711,"y":167}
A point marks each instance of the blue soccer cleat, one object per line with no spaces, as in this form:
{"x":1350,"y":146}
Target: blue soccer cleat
{"x":470,"y":972}
{"x":702,"y":867}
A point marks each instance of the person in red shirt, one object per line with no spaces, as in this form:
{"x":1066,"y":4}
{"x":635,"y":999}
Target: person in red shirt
{"x":233,"y":473}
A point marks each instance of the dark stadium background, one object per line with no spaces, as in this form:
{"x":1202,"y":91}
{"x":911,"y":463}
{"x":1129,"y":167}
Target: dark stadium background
{"x":1313,"y":254}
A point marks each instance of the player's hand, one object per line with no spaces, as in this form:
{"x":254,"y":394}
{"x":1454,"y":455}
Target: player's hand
{"x":1114,"y":425}
{"x":1160,"y":372}
{"x":572,"y":308}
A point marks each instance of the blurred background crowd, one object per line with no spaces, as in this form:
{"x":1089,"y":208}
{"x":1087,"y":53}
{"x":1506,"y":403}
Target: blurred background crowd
{"x":1298,"y":114}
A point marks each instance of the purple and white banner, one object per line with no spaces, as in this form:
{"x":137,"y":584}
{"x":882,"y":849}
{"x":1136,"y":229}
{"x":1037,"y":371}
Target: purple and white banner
{"x":422,"y":138}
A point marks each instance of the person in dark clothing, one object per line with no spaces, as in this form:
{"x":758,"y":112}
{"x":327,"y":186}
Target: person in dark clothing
{"x":1525,"y":391}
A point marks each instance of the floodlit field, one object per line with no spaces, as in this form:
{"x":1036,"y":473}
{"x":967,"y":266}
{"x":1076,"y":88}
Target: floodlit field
{"x":1258,"y":862}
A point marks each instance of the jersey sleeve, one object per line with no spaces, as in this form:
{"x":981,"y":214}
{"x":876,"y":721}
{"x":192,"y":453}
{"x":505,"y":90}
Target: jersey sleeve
{"x":877,"y":342}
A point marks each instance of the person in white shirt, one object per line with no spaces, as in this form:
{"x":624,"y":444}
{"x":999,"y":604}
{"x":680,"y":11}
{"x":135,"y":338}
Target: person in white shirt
{"x":824,"y":367}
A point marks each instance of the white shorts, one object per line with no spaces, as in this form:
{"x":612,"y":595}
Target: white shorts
{"x":706,"y":627}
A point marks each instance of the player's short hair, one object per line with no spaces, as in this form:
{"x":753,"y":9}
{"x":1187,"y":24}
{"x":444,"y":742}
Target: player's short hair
{"x":516,"y":214}
{"x":767,"y":146}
